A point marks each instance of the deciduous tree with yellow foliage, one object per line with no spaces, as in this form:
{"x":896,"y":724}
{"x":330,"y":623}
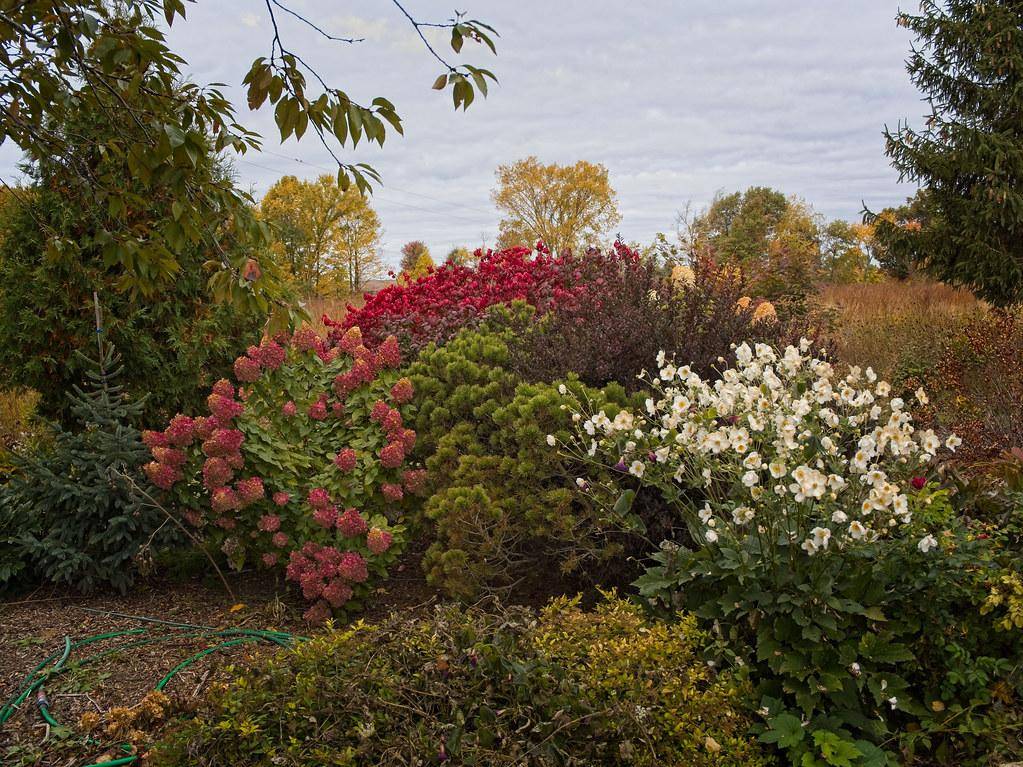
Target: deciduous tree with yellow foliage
{"x":327,"y":239}
{"x":566,"y":206}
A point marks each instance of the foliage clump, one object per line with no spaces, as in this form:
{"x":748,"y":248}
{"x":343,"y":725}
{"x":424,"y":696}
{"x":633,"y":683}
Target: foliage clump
{"x":474,"y":687}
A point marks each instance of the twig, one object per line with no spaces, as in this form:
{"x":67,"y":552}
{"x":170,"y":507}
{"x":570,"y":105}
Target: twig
{"x":156,"y":504}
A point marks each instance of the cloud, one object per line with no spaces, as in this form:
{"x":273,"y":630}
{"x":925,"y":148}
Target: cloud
{"x":678,"y":100}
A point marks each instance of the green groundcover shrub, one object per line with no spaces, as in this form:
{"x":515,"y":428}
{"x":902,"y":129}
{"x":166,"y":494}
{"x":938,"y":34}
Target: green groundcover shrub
{"x":469,"y":687}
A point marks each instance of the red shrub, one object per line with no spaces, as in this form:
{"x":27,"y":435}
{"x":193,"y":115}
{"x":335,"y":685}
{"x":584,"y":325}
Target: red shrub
{"x":438,"y":305}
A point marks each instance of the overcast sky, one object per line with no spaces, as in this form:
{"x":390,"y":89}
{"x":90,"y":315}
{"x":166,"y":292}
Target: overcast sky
{"x":677,"y":99}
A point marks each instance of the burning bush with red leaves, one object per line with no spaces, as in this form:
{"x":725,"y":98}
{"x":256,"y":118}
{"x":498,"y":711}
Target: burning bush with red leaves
{"x":296,"y":464}
{"x":451,"y":297}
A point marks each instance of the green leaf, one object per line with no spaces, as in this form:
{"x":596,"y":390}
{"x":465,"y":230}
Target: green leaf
{"x":785,"y":729}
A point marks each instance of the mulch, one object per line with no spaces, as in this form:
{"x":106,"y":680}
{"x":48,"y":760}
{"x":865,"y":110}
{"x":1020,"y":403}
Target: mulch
{"x":35,"y":624}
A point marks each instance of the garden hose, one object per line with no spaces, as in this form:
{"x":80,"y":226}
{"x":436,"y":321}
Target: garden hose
{"x":138,"y":637}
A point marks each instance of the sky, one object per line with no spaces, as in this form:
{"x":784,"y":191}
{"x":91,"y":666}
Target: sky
{"x":678,"y":100}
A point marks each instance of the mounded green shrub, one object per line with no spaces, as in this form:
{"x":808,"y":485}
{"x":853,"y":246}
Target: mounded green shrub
{"x":468,"y":687}
{"x":501,"y":502}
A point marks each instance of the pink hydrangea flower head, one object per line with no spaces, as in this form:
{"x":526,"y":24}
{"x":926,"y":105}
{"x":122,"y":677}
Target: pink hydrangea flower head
{"x":338,"y":408}
{"x":161,"y":474}
{"x":392,"y":455}
{"x":389,"y":353}
{"x":224,"y":388}
{"x":280,"y":540}
{"x":204,"y":427}
{"x":249,"y":490}
{"x":326,"y":353}
{"x":346,"y":460}
{"x":271,"y":355}
{"x":408,"y":439}
{"x":180,"y":431}
{"x":224,"y":408}
{"x":235,"y":459}
{"x":379,"y":540}
{"x":352,"y":567}
{"x":269,"y":559}
{"x":227,"y":523}
{"x":153,"y":439}
{"x":224,"y":499}
{"x":280,"y":498}
{"x":289,"y":409}
{"x":193,"y":517}
{"x":246,"y":369}
{"x":223,"y":441}
{"x":318,"y":410}
{"x":414,"y":480}
{"x":351,"y":340}
{"x":379,"y":412}
{"x":402,"y":391}
{"x":392,"y":492}
{"x":325,"y":516}
{"x":337,"y":593}
{"x":362,"y":372}
{"x":269,"y":523}
{"x":351,"y":523}
{"x":170,"y":456}
{"x":305,"y":339}
{"x":392,"y":422}
{"x":318,"y":498}
{"x":216,"y":472}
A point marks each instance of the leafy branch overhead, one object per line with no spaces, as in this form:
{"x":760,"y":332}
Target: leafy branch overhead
{"x":63,"y":59}
{"x":282,"y":79}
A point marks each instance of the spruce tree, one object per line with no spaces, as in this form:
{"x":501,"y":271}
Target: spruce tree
{"x":968,"y":62}
{"x":73,"y":515}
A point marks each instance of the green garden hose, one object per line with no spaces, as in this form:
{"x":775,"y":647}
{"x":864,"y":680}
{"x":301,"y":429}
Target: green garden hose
{"x":35,"y":679}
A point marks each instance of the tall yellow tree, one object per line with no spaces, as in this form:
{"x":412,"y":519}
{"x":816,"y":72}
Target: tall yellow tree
{"x":566,"y":206}
{"x":326,"y":238}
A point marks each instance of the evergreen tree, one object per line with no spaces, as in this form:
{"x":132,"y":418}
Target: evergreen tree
{"x":968,"y":61}
{"x":70,"y":512}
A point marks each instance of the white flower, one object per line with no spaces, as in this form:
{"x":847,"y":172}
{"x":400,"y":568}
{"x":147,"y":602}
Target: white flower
{"x":752,"y":461}
{"x":750,"y":478}
{"x":778,"y":469}
{"x":854,"y":669}
{"x":711,"y":536}
{"x":839,"y":517}
{"x":953,"y":442}
{"x":927,"y":543}
{"x":856,"y":530}
{"x":551,"y":440}
{"x":705,"y":513}
{"x":636,"y":468}
{"x":562,"y":389}
{"x":921,"y":396}
{"x":742,"y":514}
{"x":820,"y":536}
{"x":893,"y":701}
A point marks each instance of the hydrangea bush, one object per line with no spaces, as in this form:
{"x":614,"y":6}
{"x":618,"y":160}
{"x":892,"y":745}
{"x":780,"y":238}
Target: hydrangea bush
{"x":302,"y":464}
{"x":820,"y":543}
